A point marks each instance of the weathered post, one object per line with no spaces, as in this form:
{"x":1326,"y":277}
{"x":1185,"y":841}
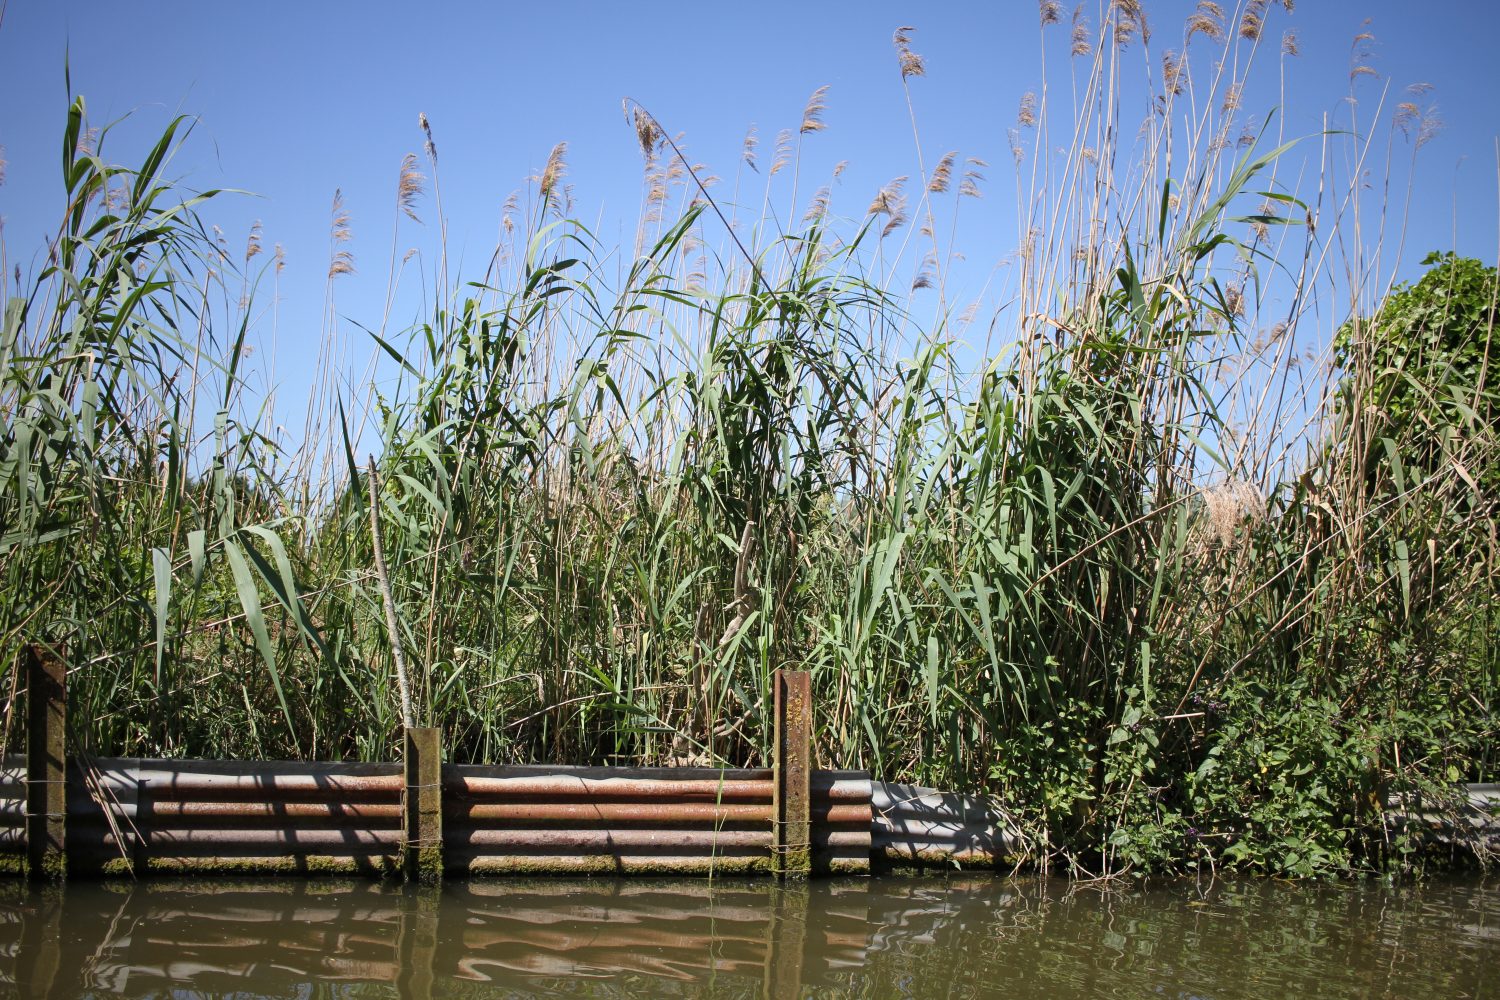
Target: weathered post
{"x":423,"y":805}
{"x":46,"y":762}
{"x":791,"y":851}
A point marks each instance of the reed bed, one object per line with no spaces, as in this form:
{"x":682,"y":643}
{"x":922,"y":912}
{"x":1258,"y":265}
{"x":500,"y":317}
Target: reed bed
{"x":1184,"y":572}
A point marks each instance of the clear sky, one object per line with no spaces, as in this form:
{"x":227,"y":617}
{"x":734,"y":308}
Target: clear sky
{"x":296,"y":100}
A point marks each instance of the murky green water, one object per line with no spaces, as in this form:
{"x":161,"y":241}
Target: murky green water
{"x":889,"y":937}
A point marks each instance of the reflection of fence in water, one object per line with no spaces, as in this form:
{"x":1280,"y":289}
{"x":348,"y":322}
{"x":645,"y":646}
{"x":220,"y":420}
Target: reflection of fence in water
{"x":222,"y":936}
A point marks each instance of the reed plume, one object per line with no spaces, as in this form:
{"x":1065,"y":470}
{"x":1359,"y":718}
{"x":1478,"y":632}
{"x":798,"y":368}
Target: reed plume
{"x":911,"y":63}
{"x":812,"y":114}
{"x":782,"y":153}
{"x":942,"y":174}
{"x":342,"y":261}
{"x":555,"y":169}
{"x":1207,"y":20}
{"x":647,"y":134}
{"x":1026,"y":115}
{"x":1081,"y":42}
{"x":409,"y":186}
{"x":747,"y":150}
{"x":1253,"y":20}
{"x":252,"y":242}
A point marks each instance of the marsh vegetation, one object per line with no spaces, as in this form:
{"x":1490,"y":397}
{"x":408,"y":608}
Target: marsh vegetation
{"x":1183,"y":544}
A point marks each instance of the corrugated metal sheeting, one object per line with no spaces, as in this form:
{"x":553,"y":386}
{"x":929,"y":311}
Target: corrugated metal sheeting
{"x":128,"y":815}
{"x":634,"y":820}
{"x":13,"y":815}
{"x":230,"y":816}
{"x":923,"y":826}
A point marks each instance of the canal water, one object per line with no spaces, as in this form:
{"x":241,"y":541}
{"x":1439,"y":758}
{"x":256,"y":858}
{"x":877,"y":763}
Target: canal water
{"x":884,"y":937}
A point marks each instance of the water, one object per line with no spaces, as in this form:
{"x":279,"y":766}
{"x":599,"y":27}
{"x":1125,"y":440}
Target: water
{"x":885,"y":937}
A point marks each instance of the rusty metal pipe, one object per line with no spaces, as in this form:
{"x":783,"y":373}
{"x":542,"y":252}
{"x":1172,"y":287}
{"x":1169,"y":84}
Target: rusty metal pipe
{"x":831,"y":786}
{"x":629,"y":812}
{"x":158,"y":811}
{"x":843,"y":814}
{"x":571,"y":787}
{"x":608,"y":840}
{"x":574,"y":864}
{"x":290,"y":837}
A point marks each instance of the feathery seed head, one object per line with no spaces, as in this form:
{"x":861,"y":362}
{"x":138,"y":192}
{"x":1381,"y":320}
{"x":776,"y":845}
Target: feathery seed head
{"x":819,"y":206}
{"x":1360,"y":54}
{"x":1130,"y":20}
{"x":973,"y":174}
{"x":555,"y":169}
{"x":890,"y":201}
{"x":925,"y":273}
{"x":409,"y":186}
{"x":342,"y":261}
{"x":1228,"y":506}
{"x":1026,"y":116}
{"x":1253,"y":20}
{"x":942,"y":174}
{"x":1232,"y":95}
{"x":429,"y":145}
{"x":747,"y":154}
{"x":911,"y":63}
{"x":1082,"y":43}
{"x":812,"y":115}
{"x":1172,"y":66}
{"x":783,"y":152}
{"x":252,"y":243}
{"x":1207,"y":20}
{"x":646,"y":133}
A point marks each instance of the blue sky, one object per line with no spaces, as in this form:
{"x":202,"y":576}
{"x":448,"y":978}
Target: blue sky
{"x":296,"y":100}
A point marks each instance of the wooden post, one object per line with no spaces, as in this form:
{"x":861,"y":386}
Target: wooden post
{"x":423,"y":799}
{"x":46,"y":763}
{"x":792,"y":837}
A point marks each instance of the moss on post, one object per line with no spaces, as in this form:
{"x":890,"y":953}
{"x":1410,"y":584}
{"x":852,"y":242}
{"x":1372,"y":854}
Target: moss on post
{"x":792,"y":835}
{"x":423,"y":805}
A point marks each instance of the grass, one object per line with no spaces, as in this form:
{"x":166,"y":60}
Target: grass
{"x":1138,"y":551}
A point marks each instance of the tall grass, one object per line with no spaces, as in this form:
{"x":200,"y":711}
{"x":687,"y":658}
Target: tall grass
{"x":1128,"y":550}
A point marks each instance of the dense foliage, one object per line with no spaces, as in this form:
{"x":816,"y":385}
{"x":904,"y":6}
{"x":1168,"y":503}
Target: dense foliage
{"x":1165,"y":625}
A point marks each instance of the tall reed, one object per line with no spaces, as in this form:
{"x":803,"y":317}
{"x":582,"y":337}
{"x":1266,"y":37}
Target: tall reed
{"x":1133,"y":549}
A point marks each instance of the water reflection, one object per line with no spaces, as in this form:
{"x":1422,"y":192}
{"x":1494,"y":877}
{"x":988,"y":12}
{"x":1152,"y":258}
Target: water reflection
{"x":961,"y":937}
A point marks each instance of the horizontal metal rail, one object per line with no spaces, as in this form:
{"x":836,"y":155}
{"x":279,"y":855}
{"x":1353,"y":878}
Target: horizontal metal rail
{"x":142,"y":815}
{"x":162,"y":815}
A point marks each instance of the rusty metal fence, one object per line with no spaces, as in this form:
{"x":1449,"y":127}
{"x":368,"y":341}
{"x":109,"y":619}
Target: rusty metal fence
{"x":921,"y":826}
{"x":64,"y":814}
{"x":72,"y":814}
